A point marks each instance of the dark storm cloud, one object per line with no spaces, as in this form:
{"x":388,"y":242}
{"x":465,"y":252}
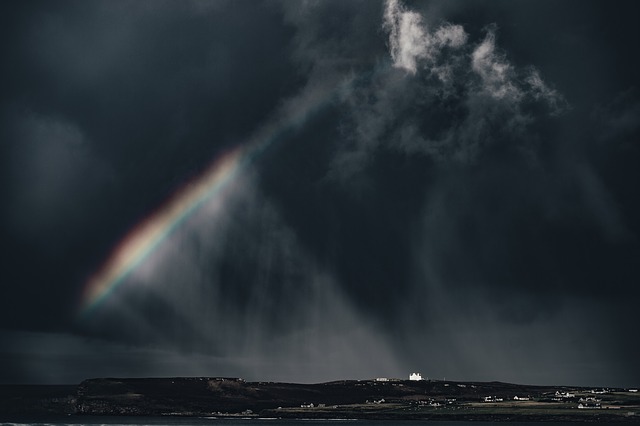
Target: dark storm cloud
{"x":516,"y":231}
{"x":459,"y":196}
{"x":101,"y":102}
{"x":42,"y":179}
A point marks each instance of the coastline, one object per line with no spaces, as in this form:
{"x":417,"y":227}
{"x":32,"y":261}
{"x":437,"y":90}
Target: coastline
{"x":231,"y":398}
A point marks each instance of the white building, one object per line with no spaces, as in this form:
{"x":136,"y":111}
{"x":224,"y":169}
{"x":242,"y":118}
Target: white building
{"x":415,"y":376}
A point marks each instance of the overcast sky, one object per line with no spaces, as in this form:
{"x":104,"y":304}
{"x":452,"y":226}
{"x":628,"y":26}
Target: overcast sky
{"x":449,"y":187}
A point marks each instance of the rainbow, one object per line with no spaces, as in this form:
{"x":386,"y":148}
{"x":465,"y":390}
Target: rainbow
{"x":146,"y":236}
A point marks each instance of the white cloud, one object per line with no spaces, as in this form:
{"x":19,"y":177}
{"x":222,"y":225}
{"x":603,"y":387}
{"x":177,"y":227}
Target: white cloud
{"x":409,"y":43}
{"x":461,"y":97}
{"x":496,"y":72}
{"x":410,"y":40}
{"x":540,"y":91}
{"x":451,"y":35}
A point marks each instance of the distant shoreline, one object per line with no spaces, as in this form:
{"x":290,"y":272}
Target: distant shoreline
{"x":228,"y":398}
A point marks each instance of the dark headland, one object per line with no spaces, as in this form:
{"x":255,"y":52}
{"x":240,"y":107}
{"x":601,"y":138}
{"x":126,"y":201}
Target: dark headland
{"x":348,"y":399}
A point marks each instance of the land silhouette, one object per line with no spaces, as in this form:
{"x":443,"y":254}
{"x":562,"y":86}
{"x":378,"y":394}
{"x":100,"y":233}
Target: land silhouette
{"x":380,"y":398}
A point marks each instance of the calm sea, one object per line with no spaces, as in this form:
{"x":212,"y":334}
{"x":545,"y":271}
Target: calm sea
{"x":170,"y":421}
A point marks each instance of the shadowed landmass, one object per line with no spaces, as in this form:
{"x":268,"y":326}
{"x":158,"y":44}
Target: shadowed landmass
{"x":348,"y":399}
